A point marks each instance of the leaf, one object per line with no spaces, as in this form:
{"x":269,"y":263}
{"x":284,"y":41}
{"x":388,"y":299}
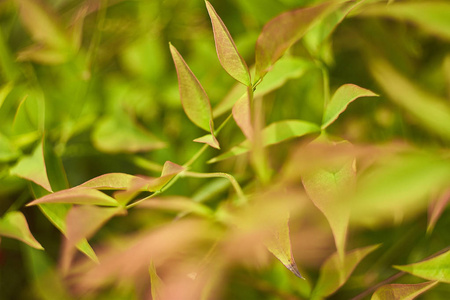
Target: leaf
{"x":118,"y":133}
{"x":33,"y":168}
{"x":8,"y":151}
{"x":209,"y":139}
{"x":430,"y":110}
{"x":14,"y":225}
{"x":279,"y":244}
{"x":77,"y":195}
{"x":155,"y":282}
{"x":4,"y":92}
{"x":273,"y":134}
{"x":283,"y":31}
{"x":229,"y":57}
{"x":170,"y":170}
{"x":177,"y":204}
{"x":329,"y":189}
{"x":436,"y":268}
{"x":436,"y":209}
{"x":112,"y":181}
{"x":402,"y":291}
{"x":432,"y":16}
{"x":242,"y":116}
{"x":334,"y":272}
{"x":344,"y":95}
{"x":193,"y":97}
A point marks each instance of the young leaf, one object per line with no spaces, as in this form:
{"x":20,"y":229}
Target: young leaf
{"x":4,"y":91}
{"x":33,"y":168}
{"x":273,"y":134}
{"x":436,"y":209}
{"x":432,"y":16}
{"x":14,"y":225}
{"x":283,"y":31}
{"x":77,"y":195}
{"x":344,"y":95}
{"x":402,"y":291}
{"x":436,"y":268}
{"x":193,"y":97}
{"x":242,"y":116}
{"x":279,"y":244}
{"x":7,"y":149}
{"x":229,"y":57}
{"x":112,"y":181}
{"x":177,"y":204}
{"x":209,"y":139}
{"x":334,"y":272}
{"x":430,"y":110}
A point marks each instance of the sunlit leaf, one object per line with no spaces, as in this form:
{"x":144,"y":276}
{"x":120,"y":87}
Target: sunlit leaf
{"x":432,"y":16}
{"x":436,"y":268}
{"x":402,"y":291}
{"x":14,"y":225}
{"x":243,"y":117}
{"x":279,"y":244}
{"x":334,"y":272}
{"x":283,"y":31}
{"x":112,"y":181}
{"x":330,"y":189}
{"x":193,"y":97}
{"x":273,"y":134}
{"x":77,"y":195}
{"x":119,"y":134}
{"x":436,"y":208}
{"x":344,"y":95}
{"x":229,"y":57}
{"x":430,"y":110}
{"x":33,"y":168}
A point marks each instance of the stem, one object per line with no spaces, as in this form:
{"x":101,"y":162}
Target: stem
{"x":230,"y":177}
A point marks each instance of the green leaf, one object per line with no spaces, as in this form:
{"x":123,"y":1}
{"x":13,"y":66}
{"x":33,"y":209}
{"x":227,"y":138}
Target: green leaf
{"x":273,"y":134}
{"x":430,"y":110}
{"x":330,"y":189}
{"x":77,"y":195}
{"x":155,"y":282}
{"x":402,"y":291}
{"x":209,"y":139}
{"x":112,"y":181}
{"x":334,"y":272}
{"x":229,"y":57}
{"x":7,"y":149}
{"x":4,"y":92}
{"x":193,"y":97}
{"x":436,"y":268}
{"x":283,"y":31}
{"x":432,"y":16}
{"x":14,"y":225}
{"x":279,"y":244}
{"x":344,"y":95}
{"x":119,"y":134}
{"x":33,"y":168}
{"x":176,"y":204}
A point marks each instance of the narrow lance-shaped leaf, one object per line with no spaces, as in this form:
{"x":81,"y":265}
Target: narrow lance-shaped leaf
{"x":334,"y":272}
{"x":193,"y":97}
{"x":344,"y":95}
{"x":14,"y":225}
{"x":283,"y":31}
{"x":33,"y":168}
{"x":79,"y":195}
{"x":402,"y":291}
{"x":436,"y":209}
{"x":436,"y":268}
{"x":229,"y":57}
{"x":242,"y":116}
{"x":155,"y":282}
{"x":112,"y":181}
{"x":273,"y":134}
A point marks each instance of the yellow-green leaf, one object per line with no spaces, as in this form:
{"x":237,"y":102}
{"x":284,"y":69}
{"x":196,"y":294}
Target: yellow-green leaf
{"x":436,"y":268}
{"x":77,"y":195}
{"x":229,"y":57}
{"x":14,"y":225}
{"x":402,"y":291}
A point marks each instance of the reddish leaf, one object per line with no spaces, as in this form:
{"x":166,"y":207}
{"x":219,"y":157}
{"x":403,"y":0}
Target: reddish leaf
{"x":209,"y":139}
{"x":77,"y":195}
{"x":242,"y":116}
{"x":229,"y":57}
{"x":402,"y":291}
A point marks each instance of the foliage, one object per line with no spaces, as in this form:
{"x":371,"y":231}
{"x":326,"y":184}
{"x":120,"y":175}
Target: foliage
{"x":326,"y":147}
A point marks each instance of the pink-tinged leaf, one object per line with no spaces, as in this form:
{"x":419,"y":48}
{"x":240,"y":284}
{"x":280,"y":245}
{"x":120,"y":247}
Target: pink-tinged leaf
{"x":402,"y":291}
{"x":344,"y":95}
{"x":436,"y":268}
{"x":335,"y":272}
{"x":279,"y":244}
{"x":113,"y":181}
{"x":273,"y":134}
{"x":436,"y":209}
{"x":229,"y":57}
{"x":33,"y":168}
{"x":193,"y":97}
{"x":170,"y":170}
{"x":209,"y":139}
{"x":77,"y":195}
{"x":330,"y":189}
{"x":242,"y":116}
{"x":14,"y":225}
{"x":284,"y":30}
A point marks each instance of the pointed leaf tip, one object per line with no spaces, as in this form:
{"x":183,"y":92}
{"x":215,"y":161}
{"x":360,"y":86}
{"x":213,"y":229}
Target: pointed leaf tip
{"x":193,"y":97}
{"x":227,"y":52}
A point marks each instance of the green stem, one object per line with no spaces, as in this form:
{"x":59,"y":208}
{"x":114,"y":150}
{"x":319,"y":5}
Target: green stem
{"x":230,"y":177}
